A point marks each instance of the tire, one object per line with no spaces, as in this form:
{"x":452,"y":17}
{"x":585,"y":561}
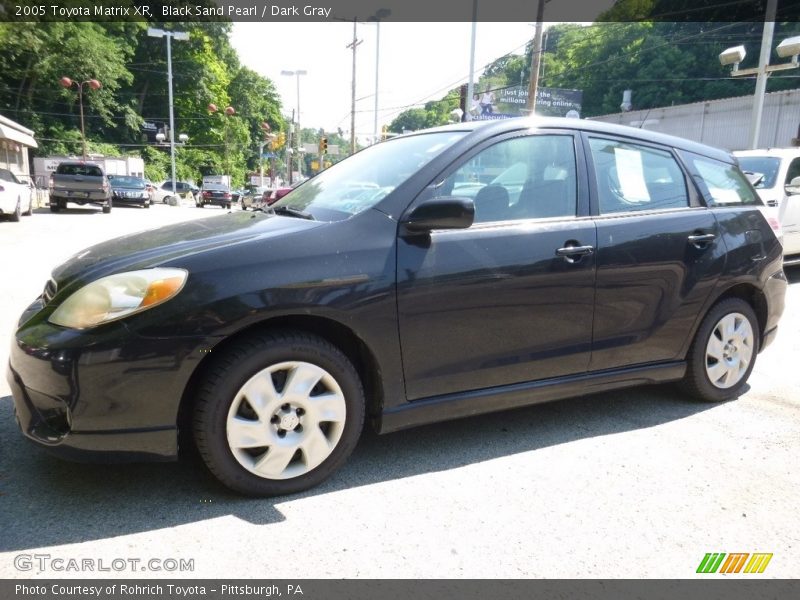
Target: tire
{"x":54,"y":207}
{"x":146,"y":205}
{"x":290,"y":441}
{"x":29,"y":212}
{"x":107,"y":207}
{"x":201,"y":205}
{"x":723,"y":352}
{"x":16,"y":214}
{"x":228,"y":206}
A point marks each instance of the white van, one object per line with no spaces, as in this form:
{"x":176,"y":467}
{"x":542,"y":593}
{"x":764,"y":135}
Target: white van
{"x":775,"y":173}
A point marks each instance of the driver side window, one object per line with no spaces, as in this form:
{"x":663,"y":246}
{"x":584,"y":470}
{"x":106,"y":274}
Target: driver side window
{"x":532,"y":177}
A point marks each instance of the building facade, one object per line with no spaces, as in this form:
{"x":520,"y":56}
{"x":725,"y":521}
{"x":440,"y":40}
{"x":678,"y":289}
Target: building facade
{"x":15,"y":141}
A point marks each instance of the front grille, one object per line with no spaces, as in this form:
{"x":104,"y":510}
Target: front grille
{"x":49,"y":291}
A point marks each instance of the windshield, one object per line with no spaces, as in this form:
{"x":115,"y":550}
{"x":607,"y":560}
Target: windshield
{"x":125,"y":181}
{"x":364,"y":179}
{"x":765,"y":165}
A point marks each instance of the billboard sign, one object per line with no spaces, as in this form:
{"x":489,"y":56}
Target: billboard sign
{"x":511,"y":101}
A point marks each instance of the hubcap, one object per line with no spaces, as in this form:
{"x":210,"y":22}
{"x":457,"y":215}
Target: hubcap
{"x":286,"y":420}
{"x":729,"y":350}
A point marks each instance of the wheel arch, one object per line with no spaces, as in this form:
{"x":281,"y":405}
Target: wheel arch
{"x":744,"y":291}
{"x":335,"y":332}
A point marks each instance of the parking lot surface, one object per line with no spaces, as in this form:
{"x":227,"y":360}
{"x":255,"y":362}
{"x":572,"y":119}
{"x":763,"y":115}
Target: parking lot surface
{"x":638,"y":483}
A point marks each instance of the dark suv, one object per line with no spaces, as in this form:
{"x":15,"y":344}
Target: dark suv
{"x":437,"y":275}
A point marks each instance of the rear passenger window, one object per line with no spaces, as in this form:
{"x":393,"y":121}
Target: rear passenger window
{"x":531,"y":177}
{"x":633,"y":178}
{"x":722,"y":184}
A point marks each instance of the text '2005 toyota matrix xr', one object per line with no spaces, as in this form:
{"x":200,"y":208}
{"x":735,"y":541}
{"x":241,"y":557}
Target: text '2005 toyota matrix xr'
{"x":441,"y":274}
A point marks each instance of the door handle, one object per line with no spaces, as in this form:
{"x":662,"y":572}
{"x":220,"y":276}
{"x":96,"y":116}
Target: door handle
{"x":700,"y":240}
{"x":574,"y":253}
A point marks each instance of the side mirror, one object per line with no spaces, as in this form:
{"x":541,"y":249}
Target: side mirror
{"x":793,"y":187}
{"x":441,"y":213}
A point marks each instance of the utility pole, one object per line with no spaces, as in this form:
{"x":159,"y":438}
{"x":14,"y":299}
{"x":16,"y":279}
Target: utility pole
{"x":533,"y":84}
{"x":353,"y":45}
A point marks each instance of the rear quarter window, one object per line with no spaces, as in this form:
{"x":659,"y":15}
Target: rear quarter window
{"x":721,"y":183}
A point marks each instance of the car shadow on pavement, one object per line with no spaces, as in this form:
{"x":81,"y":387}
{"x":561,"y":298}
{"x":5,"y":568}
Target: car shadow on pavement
{"x":45,"y":501}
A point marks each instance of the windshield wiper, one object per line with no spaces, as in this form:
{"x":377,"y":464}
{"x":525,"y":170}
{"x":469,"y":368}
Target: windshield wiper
{"x":292,"y":212}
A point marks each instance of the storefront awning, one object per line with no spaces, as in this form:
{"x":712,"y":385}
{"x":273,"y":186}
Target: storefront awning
{"x":15,"y":135}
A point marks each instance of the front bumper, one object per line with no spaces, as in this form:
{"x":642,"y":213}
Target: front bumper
{"x":117,"y":199}
{"x":106,"y":395}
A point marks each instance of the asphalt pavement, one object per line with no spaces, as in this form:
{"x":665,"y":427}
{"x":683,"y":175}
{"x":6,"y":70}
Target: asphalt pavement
{"x":638,"y":483}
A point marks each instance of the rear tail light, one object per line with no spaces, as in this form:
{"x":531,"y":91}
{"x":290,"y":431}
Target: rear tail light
{"x":206,"y":194}
{"x":227,"y":195}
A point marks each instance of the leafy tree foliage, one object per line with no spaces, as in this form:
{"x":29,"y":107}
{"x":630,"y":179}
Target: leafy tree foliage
{"x":132,"y":68}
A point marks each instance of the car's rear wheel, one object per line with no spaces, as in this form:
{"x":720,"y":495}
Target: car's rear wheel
{"x":278,"y":413}
{"x":29,"y":212}
{"x":723,"y":353}
{"x":108,"y":205}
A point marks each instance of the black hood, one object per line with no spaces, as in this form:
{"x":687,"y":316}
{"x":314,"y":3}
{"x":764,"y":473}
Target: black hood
{"x":156,"y":247}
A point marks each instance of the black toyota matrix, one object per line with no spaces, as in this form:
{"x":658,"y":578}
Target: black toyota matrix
{"x":445,"y":273}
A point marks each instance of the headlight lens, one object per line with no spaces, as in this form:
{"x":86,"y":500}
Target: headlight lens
{"x":118,"y":296}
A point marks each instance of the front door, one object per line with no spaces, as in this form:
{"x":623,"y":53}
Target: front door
{"x":510,"y":299}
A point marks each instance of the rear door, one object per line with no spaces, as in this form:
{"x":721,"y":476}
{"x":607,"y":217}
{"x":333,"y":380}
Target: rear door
{"x":509,"y":299}
{"x":659,"y":252}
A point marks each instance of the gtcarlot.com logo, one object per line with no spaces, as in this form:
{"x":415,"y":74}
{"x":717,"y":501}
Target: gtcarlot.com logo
{"x":43,"y":563}
{"x":736,"y":562}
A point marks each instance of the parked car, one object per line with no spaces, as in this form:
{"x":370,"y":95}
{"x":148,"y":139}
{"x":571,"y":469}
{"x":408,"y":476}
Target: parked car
{"x":80,"y":183}
{"x":183,"y":190}
{"x":252,"y":195}
{"x":775,"y":173}
{"x":215,"y":194}
{"x":16,"y":197}
{"x":151,"y":190}
{"x":126,"y":189}
{"x":373,"y":292}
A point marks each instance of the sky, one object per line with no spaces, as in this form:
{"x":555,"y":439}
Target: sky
{"x":418,"y":62}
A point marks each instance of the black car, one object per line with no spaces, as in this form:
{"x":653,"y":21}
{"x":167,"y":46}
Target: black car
{"x":440,"y":274}
{"x":215,"y":194}
{"x":126,"y":189}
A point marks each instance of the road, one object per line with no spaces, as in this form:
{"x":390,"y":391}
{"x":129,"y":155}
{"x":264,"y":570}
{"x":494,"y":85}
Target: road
{"x":638,"y":483}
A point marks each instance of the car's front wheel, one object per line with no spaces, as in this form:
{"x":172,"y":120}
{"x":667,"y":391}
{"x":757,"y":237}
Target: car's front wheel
{"x":723,"y":353}
{"x":278,"y":413}
{"x":17,"y":212}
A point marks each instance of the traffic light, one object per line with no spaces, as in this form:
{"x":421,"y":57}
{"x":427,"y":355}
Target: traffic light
{"x":323,"y":145}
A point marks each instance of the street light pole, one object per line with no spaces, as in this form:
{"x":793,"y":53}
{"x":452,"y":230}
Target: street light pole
{"x":789,"y":47}
{"x":181,"y":36}
{"x":95,"y":85}
{"x":298,"y":135}
{"x":761,"y":80}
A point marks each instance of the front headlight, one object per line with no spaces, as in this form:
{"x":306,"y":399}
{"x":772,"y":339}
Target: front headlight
{"x":117,"y":296}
